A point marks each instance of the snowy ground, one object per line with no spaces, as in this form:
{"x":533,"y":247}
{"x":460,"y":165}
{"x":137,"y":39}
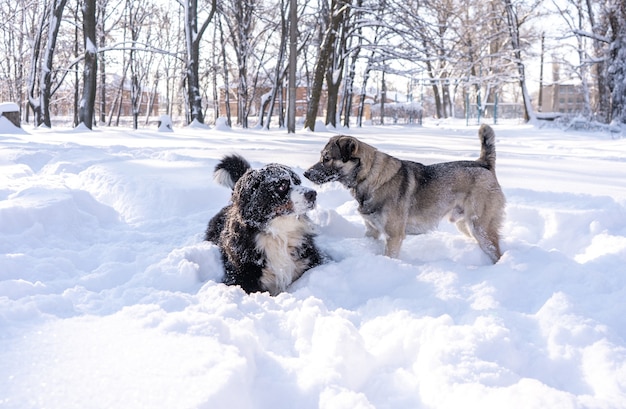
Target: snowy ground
{"x":110,"y":299}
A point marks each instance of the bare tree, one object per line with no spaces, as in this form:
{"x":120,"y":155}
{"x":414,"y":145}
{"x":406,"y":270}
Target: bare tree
{"x":13,"y":43}
{"x":193,"y":36}
{"x":453,"y":45}
{"x":616,"y":66}
{"x":428,"y":32}
{"x":513,"y":24}
{"x":337,"y":61}
{"x":171,"y":39}
{"x":293,"y":47}
{"x":90,"y":71}
{"x":285,"y":70}
{"x":598,"y":31}
{"x":279,"y":69}
{"x":226,"y":77}
{"x":107,"y":19}
{"x":346,"y":103}
{"x":239,"y":18}
{"x":138,"y":13}
{"x":572,"y":13}
{"x":338,"y":12}
{"x":40,"y":101}
{"x":377,"y":34}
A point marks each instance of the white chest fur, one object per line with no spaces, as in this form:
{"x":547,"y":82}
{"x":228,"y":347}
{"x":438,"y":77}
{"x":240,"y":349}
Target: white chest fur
{"x":280,"y":242}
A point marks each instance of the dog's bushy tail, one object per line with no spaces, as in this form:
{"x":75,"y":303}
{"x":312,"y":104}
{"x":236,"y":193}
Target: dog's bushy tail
{"x":488,"y":147}
{"x":230,"y":169}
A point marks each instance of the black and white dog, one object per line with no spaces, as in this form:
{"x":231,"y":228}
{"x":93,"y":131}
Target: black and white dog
{"x":264,"y":235}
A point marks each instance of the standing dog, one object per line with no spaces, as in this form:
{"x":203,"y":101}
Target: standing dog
{"x":264,"y":235}
{"x":399,"y":197}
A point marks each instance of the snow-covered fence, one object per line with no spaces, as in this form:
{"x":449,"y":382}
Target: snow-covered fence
{"x":11,"y":111}
{"x":398,"y":113}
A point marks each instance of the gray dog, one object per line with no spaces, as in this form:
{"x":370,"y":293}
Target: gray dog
{"x":399,"y":197}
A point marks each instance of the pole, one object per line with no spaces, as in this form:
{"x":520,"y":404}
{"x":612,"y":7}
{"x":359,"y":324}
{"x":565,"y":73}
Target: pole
{"x":467,"y":108}
{"x":495,"y":111}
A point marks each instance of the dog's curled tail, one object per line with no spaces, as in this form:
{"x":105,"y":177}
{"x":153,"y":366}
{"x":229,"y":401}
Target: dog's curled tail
{"x":230,"y":169}
{"x":488,"y":147}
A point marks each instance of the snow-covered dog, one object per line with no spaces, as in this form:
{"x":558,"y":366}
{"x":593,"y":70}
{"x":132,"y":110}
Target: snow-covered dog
{"x":264,"y":235}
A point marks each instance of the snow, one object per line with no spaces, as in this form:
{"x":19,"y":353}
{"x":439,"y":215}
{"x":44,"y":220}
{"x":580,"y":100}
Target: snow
{"x":221,"y":124}
{"x":110,"y":298}
{"x":165,"y":123}
{"x":198,"y":125}
{"x":90,"y":47}
{"x":8,"y":107}
{"x":7,"y":127}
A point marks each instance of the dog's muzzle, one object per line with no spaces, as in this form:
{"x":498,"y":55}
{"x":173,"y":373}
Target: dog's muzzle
{"x":303,"y":199}
{"x":310,"y":195}
{"x":320,"y":174}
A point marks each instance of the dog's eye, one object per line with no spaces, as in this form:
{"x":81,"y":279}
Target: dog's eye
{"x":325,"y":158}
{"x":282,"y":186}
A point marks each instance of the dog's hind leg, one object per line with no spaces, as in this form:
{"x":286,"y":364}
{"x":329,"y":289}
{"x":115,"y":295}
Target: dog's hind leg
{"x":487,"y":237}
{"x":457,"y":216}
{"x":461,"y":225}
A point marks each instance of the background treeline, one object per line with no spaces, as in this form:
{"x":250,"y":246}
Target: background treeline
{"x":201,"y":56}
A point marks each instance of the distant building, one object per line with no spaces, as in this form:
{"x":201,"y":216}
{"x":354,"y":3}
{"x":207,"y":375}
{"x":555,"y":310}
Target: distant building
{"x":262,"y":95}
{"x":563,"y":98}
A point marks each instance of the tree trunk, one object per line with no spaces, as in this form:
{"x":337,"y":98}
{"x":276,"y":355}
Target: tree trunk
{"x":278,"y":77}
{"x":513,"y":24}
{"x":335,"y":71}
{"x":40,"y":103}
{"x":603,"y":101}
{"x":76,"y":103}
{"x":316,"y":88}
{"x":445,"y":95}
{"x":90,"y":73}
{"x":383,"y":99}
{"x":102,"y":68}
{"x":193,"y":36}
{"x":135,"y":87}
{"x":293,"y":46}
{"x":434,"y":82}
{"x":332,"y":88}
{"x":226,"y":80}
{"x":214,"y":71}
{"x":135,"y":95}
{"x":46,"y":77}
{"x":347,"y":97}
{"x":338,"y":11}
{"x":617,"y":63}
{"x":150,"y":108}
{"x":366,"y":76}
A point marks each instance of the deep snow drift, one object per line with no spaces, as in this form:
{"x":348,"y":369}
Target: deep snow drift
{"x":109,"y":297}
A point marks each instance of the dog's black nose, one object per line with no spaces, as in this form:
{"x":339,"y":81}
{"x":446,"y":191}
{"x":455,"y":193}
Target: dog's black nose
{"x":310,"y":195}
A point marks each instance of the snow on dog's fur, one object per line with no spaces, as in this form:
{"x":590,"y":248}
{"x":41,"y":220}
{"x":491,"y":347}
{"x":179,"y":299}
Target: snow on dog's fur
{"x":264,"y":235}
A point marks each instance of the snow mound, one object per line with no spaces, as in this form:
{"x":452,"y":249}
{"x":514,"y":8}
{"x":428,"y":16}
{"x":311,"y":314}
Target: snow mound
{"x":7,"y":127}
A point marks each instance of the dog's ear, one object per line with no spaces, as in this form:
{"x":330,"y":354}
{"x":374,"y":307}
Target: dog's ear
{"x":295,"y":178}
{"x":347,"y":147}
{"x":245,"y":190}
